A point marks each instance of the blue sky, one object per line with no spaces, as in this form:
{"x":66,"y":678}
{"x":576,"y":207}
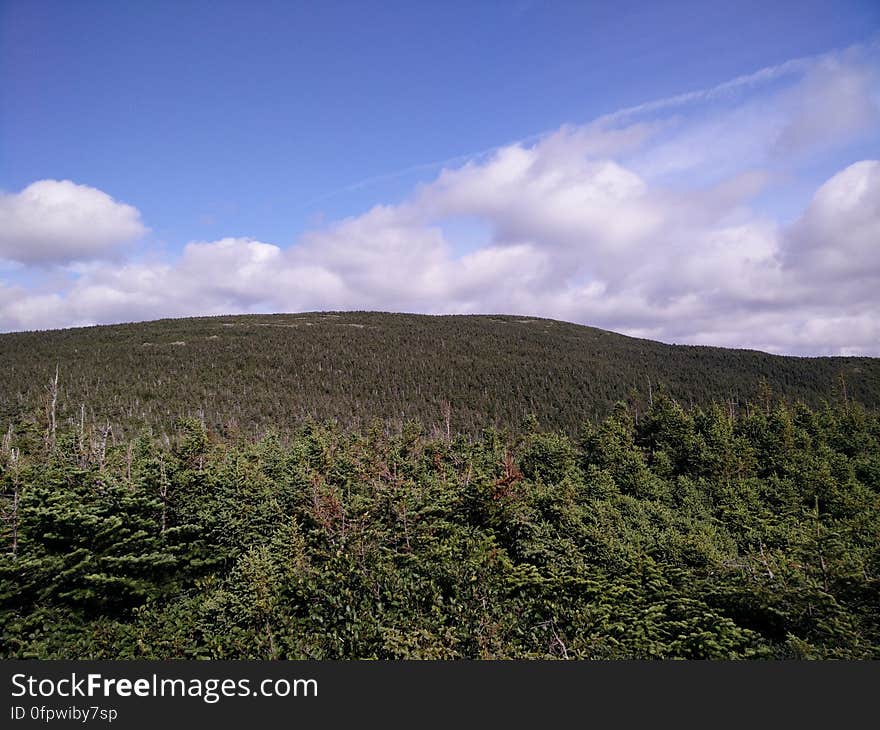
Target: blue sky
{"x":269,"y":123}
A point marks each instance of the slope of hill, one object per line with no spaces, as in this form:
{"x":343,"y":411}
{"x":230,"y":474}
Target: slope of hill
{"x":261,"y":370}
{"x":659,"y":531}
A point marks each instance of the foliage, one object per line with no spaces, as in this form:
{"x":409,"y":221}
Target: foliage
{"x":661,"y":531}
{"x":242,"y":375}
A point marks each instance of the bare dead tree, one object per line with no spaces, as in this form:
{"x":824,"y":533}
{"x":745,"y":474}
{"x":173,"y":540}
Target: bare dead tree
{"x":10,"y":514}
{"x":128,"y":460}
{"x":82,"y":435}
{"x":163,"y":492}
{"x":103,"y":452}
{"x":329,"y":512}
{"x":821,"y":557}
{"x":7,"y":440}
{"x":765,"y":562}
{"x":557,"y":639}
{"x":842,"y":378}
{"x":446,"y":411}
{"x":505,"y":485}
{"x":16,"y":497}
{"x":51,"y":403}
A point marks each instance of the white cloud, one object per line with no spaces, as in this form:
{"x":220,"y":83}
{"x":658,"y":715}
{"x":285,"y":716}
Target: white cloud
{"x":647,"y":227}
{"x":838,"y":237}
{"x":58,"y":221}
{"x":833,"y":102}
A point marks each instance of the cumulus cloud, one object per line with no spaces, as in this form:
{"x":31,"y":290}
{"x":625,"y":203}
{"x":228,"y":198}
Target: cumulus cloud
{"x":838,"y":237}
{"x":58,"y":221}
{"x":646,"y":226}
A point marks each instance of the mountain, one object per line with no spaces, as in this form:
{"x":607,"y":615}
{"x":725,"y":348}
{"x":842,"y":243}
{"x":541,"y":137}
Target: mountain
{"x":659,"y":531}
{"x":254,"y":371}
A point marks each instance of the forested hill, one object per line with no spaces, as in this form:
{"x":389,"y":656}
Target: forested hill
{"x":250,"y":372}
{"x":658,"y":531}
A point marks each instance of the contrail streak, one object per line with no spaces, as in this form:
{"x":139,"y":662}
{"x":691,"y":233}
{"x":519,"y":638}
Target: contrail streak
{"x":762,"y":76}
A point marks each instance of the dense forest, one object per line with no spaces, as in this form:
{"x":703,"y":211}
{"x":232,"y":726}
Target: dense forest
{"x":725,"y":530}
{"x":362,"y":485}
{"x":256,"y":372}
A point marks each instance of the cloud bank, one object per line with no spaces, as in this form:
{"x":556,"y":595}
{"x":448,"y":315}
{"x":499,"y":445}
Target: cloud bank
{"x":657,"y":222}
